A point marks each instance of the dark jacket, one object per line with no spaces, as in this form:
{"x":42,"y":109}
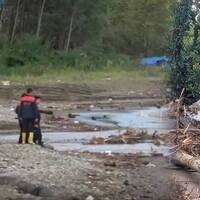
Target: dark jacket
{"x":28,"y":108}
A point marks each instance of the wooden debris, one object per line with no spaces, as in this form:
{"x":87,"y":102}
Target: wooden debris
{"x":188,"y":141}
{"x":184,"y":159}
{"x":130,"y":137}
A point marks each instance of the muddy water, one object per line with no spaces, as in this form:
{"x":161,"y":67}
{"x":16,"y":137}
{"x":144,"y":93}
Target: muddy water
{"x":145,"y":148}
{"x":70,"y":141}
{"x":65,"y":137}
{"x":150,"y":119}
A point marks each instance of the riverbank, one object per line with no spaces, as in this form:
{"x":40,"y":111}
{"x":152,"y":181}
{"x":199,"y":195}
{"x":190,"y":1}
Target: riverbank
{"x":31,"y":172}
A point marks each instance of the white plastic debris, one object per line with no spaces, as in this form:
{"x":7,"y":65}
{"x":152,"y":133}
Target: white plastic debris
{"x":5,"y":83}
{"x":131,"y":92}
{"x":110,"y":100}
{"x":109,"y":152}
{"x":151,"y":165}
{"x":90,"y":198}
{"x":91,"y":106}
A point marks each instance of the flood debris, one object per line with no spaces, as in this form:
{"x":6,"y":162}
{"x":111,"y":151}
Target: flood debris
{"x":186,"y":153}
{"x":130,"y":137}
{"x":188,"y":141}
{"x":150,"y":165}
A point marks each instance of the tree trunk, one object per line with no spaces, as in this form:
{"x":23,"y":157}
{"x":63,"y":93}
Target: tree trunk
{"x":40,"y":18}
{"x":1,"y":13}
{"x":15,"y":22}
{"x":70,"y":31}
{"x":184,"y":159}
{"x":1,"y":17}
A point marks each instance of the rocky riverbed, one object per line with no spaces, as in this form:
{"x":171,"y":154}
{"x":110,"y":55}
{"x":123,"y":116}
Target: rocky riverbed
{"x":32,"y":172}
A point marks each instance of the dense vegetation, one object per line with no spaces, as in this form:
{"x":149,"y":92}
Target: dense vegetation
{"x":186,"y":51}
{"x":38,"y":35}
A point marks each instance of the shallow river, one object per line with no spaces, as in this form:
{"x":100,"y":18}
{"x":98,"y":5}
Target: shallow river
{"x":150,"y":119}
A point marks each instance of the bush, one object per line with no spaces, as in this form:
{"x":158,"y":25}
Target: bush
{"x":91,"y":60}
{"x":26,"y":50}
{"x":30,"y":56}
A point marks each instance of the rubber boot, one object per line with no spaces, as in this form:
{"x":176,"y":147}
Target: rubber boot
{"x":23,"y":138}
{"x":30,"y":138}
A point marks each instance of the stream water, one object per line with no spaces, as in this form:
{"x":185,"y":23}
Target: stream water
{"x":150,"y":119}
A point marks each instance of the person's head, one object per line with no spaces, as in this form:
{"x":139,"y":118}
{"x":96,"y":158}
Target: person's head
{"x":37,"y":99}
{"x":24,"y":94}
{"x":29,"y":91}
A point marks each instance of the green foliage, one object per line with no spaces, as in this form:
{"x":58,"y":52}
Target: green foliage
{"x":24,"y":56}
{"x":85,"y":35}
{"x":91,"y":60}
{"x":140,"y":27}
{"x":28,"y":54}
{"x":185,"y":54}
{"x":134,"y":27}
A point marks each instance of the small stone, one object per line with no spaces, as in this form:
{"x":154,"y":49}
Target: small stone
{"x":110,"y":164}
{"x":145,"y":162}
{"x":91,"y":106}
{"x":90,"y":198}
{"x":151,"y":165}
{"x":110,"y":100}
{"x":126,"y":182}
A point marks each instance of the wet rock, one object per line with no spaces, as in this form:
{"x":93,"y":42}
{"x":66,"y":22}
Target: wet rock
{"x":145,"y":162}
{"x":135,"y":187}
{"x":70,"y":115}
{"x":110,"y":164}
{"x":145,"y":197}
{"x":126,"y":182}
{"x":157,"y":154}
{"x":93,"y":118}
{"x":36,"y":190}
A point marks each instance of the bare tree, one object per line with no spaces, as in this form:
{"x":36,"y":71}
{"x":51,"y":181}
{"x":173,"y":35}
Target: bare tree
{"x":40,"y":18}
{"x":70,"y":29}
{"x":15,"y":22}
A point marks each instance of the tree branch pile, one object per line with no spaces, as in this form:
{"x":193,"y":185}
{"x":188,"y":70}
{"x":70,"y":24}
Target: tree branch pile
{"x":130,"y":137}
{"x":188,"y":141}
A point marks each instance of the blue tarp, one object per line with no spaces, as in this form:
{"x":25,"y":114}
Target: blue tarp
{"x":154,"y":60}
{"x":2,"y":2}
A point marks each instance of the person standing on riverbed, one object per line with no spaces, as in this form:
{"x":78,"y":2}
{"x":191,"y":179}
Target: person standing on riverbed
{"x":19,"y":120}
{"x":28,"y":116}
{"x":29,"y":92}
{"x":37,"y":128}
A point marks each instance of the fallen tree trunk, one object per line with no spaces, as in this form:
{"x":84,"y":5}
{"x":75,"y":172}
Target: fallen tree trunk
{"x":184,"y":159}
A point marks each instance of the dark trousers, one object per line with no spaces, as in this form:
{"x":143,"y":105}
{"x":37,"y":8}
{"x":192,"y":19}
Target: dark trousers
{"x":20,"y":133}
{"x":37,"y":134}
{"x":36,"y":130}
{"x":28,"y":125}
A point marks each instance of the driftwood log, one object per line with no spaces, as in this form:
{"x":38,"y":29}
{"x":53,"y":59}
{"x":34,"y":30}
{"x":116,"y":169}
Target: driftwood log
{"x":47,"y":112}
{"x":184,"y":159}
